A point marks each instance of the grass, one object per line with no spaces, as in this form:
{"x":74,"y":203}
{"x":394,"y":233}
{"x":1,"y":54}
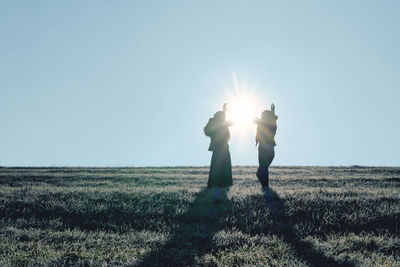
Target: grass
{"x":313,"y":216}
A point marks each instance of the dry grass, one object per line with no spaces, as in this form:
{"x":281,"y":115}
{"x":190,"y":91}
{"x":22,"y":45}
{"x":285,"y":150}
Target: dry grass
{"x":332,"y":216}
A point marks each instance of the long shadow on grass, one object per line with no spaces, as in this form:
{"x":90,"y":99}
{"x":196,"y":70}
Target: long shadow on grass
{"x":192,"y":237}
{"x":283,"y":229}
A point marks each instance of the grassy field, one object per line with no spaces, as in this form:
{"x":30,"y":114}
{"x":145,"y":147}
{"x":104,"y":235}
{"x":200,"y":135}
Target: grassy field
{"x":313,"y":216}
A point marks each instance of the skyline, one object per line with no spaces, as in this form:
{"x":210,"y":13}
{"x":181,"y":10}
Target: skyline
{"x":133,"y":84}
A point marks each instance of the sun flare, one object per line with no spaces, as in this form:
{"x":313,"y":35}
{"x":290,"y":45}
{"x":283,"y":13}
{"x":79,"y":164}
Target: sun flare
{"x":243,"y":107}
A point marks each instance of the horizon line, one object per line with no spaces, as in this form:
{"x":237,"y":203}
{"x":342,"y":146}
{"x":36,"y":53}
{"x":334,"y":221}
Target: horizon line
{"x":191,"y":166}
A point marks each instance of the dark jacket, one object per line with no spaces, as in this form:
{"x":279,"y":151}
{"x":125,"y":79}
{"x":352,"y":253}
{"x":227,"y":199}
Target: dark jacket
{"x":219,"y":134}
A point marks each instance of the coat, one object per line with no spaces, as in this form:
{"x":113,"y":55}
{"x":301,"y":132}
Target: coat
{"x":219,"y":134}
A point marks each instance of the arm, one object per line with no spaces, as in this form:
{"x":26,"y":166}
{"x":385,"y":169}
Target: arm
{"x":228,"y":123}
{"x":257,"y":135}
{"x":273,"y":110}
{"x":257,"y":120}
{"x":208,"y":129}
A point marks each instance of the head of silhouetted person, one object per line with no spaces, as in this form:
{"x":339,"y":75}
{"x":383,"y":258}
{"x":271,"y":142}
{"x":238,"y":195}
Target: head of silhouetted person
{"x":268,"y":116}
{"x":219,"y":116}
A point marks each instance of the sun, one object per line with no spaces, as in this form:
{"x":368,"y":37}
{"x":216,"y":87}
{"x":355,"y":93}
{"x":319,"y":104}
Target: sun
{"x":243,"y":107}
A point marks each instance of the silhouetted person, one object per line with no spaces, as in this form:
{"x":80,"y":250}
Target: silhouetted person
{"x":221,"y":168}
{"x":266,"y":129}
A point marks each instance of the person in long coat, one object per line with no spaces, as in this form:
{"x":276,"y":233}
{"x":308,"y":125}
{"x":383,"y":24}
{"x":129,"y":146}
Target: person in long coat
{"x":221,"y":167}
{"x":265,"y":139}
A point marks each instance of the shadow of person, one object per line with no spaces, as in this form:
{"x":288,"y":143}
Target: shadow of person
{"x":282,"y":228}
{"x":193,"y":236}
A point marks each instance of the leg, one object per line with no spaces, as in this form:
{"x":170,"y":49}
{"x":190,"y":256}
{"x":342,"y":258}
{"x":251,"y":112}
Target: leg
{"x":260,"y":176}
{"x":261,"y":171}
{"x":270,"y":158}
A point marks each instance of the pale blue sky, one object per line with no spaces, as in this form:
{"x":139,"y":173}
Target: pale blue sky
{"x":132,"y":83}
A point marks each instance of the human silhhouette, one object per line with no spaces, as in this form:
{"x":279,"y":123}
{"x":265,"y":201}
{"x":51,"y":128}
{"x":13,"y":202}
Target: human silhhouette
{"x":217,"y":129}
{"x":265,"y":139}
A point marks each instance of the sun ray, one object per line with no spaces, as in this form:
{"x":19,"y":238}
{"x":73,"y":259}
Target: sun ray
{"x":243,"y":107}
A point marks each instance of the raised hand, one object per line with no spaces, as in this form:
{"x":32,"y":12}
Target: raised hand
{"x":273,"y":108}
{"x":224,"y":107}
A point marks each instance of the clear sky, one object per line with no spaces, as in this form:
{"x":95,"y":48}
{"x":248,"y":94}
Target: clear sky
{"x":132,"y":83}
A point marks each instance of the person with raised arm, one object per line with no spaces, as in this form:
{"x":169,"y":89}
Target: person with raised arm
{"x":217,"y":129}
{"x":265,"y":139}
